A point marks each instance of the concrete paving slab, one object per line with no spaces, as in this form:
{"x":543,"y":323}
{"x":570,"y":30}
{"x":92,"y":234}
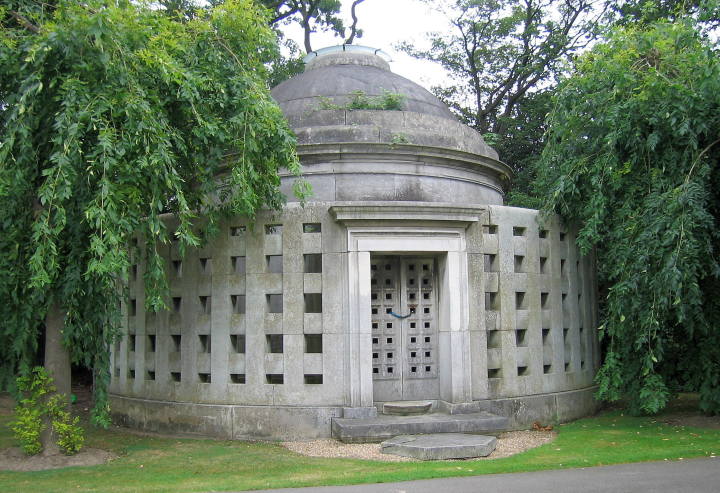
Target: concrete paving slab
{"x":440,"y":446}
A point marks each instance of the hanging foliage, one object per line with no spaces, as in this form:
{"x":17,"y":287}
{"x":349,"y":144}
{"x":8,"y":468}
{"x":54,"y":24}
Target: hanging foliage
{"x":111,"y":115}
{"x":632,"y":157}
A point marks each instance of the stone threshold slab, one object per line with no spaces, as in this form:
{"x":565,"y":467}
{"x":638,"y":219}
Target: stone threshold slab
{"x":377,"y":429}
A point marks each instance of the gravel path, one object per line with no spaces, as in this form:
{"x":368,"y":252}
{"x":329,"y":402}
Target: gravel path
{"x":508,"y":444}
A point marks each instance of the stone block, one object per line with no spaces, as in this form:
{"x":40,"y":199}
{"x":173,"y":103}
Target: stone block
{"x":440,"y":446}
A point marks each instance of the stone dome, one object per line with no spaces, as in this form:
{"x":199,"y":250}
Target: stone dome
{"x":419,"y":153}
{"x":336,"y":74}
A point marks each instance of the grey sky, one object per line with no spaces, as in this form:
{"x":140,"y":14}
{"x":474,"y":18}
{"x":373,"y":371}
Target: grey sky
{"x":384,"y":24}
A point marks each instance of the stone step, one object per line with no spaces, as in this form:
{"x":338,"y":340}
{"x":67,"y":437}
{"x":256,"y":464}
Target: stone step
{"x":406,"y":408}
{"x":439,"y":446}
{"x":377,"y":429}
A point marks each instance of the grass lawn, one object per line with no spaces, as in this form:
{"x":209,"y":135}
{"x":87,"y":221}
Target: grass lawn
{"x":182,"y":465}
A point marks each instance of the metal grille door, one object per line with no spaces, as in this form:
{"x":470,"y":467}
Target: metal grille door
{"x":404,"y":328}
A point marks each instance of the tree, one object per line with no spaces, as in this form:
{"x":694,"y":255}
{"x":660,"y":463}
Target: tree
{"x":632,"y":158}
{"x":314,"y":14}
{"x":498,"y":54}
{"x":112,"y":115}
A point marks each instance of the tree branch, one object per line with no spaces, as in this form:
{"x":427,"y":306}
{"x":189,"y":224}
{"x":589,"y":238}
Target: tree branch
{"x":353,"y":28}
{"x":24,"y":22}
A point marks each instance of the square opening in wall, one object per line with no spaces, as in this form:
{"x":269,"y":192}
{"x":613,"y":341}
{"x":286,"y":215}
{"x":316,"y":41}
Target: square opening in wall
{"x":176,"y":304}
{"x":132,"y":342}
{"x":177,"y":267}
{"x":205,"y":266}
{"x":150,"y":343}
{"x":494,"y":339}
{"x":492,"y":301}
{"x":274,"y":264}
{"x":567,"y":367}
{"x":374,"y":325}
{"x":313,"y":303}
{"x":389,"y":340}
{"x":489,"y":229}
{"x":426,"y":309}
{"x":312,"y":228}
{"x":388,"y":310}
{"x":374,"y":310}
{"x":562,"y":236}
{"x":238,"y":303}
{"x":520,"y":301}
{"x":312,"y":263}
{"x":176,"y":340}
{"x":375,"y":340}
{"x":273,"y":229}
{"x":313,"y":343}
{"x":132,"y":308}
{"x":582,"y":364}
{"x":133,"y":272}
{"x":275,"y":378}
{"x":205,"y":342}
{"x":523,"y":371}
{"x":494,"y":373}
{"x":543,"y":233}
{"x":562,"y":267}
{"x":376,"y":370}
{"x":543,"y":265}
{"x":237,"y":231}
{"x":547,"y":369}
{"x":566,"y":332}
{"x":237,"y":378}
{"x":274,"y":343}
{"x":175,"y":376}
{"x":545,"y":335}
{"x":519,"y":231}
{"x":491,"y":262}
{"x":519,"y":263}
{"x":131,"y":374}
{"x":388,"y":325}
{"x":238,"y":265}
{"x":313,"y":379}
{"x":150,"y":375}
{"x":117,"y":373}
{"x":274,"y":303}
{"x":388,"y":296}
{"x":237,"y":342}
{"x":205,"y":305}
{"x":544,"y":300}
{"x":427,"y":339}
{"x":521,"y":338}
{"x":426,"y":296}
{"x":204,"y":378}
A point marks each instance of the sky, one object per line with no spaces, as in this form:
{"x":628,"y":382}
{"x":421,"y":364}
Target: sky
{"x":385,"y":23}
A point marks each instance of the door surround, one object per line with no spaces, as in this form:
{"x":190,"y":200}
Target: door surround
{"x":448,"y":243}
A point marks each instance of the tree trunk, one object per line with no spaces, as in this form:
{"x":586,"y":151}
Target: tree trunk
{"x":57,"y":364}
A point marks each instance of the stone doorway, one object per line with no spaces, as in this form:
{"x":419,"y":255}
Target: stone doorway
{"x":404,"y":322}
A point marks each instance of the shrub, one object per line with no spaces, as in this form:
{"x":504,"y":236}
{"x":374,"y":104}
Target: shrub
{"x":41,"y":403}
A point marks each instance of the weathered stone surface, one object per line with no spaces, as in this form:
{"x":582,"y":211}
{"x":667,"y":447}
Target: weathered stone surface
{"x":439,"y":446}
{"x":406,"y":408}
{"x":382,"y":427}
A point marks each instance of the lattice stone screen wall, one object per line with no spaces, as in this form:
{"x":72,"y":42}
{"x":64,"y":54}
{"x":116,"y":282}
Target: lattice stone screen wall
{"x":535,"y":330}
{"x":255,"y":341}
{"x":254,"y":318}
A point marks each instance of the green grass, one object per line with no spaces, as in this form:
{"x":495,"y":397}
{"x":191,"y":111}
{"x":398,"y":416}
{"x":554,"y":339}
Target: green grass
{"x":184,"y":465}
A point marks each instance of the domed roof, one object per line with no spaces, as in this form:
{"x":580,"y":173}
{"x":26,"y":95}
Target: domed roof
{"x":419,"y":152}
{"x":336,"y":72}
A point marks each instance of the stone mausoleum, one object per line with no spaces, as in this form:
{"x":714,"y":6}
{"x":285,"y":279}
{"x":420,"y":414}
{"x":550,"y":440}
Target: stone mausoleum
{"x":404,"y":278}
